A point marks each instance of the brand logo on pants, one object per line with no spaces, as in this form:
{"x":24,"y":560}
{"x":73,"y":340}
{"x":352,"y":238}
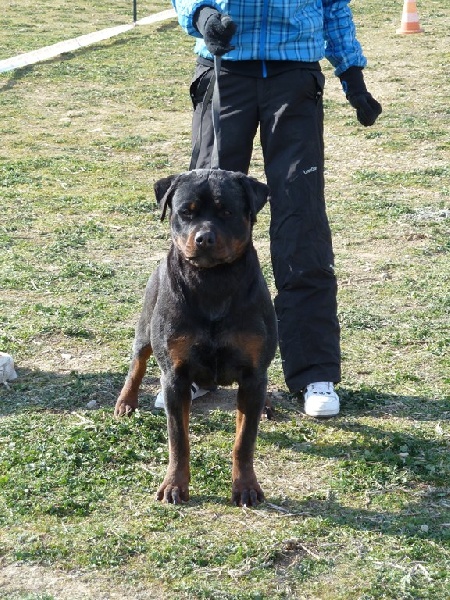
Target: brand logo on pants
{"x":310,"y":170}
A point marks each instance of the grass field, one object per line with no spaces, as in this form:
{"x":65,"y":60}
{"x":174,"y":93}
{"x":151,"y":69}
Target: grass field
{"x":358,"y":507}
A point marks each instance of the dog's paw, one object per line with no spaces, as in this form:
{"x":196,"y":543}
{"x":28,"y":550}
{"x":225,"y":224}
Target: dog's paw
{"x":124,"y":409}
{"x":248,"y":496}
{"x":173,"y":494}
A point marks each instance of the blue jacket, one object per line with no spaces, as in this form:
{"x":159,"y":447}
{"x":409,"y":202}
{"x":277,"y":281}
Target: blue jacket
{"x":300,"y":30}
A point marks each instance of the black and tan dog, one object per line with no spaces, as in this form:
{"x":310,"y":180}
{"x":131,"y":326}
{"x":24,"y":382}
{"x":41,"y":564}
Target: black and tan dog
{"x":207,"y":318}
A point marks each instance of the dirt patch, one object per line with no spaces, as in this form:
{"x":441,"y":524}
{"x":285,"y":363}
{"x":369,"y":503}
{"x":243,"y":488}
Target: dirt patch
{"x":225,"y":399}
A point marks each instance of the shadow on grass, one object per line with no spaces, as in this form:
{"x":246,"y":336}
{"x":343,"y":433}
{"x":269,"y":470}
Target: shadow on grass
{"x":368,"y":461}
{"x":37,"y":391}
{"x":15,"y":77}
{"x":426,"y":519}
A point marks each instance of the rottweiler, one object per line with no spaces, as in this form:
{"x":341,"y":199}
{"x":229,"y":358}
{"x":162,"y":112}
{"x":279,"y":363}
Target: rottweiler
{"x":207,"y":318}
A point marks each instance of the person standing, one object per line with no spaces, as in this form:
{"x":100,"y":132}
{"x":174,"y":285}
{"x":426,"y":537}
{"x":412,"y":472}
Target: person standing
{"x":271,"y":78}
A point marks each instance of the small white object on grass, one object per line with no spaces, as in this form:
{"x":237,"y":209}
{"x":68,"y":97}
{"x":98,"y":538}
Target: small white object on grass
{"x":7,"y":371}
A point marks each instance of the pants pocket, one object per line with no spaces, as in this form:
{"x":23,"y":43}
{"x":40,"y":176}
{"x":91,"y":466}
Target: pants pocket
{"x":319,"y":78}
{"x":199,"y":84}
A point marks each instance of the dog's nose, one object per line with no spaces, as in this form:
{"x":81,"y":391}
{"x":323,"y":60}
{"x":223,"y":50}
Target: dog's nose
{"x":204,"y":239}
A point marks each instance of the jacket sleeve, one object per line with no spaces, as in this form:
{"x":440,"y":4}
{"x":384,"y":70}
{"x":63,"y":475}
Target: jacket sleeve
{"x":186,"y":10}
{"x":342,"y":48}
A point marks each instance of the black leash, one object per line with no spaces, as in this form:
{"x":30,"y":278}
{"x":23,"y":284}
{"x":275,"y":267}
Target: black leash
{"x":212,"y":95}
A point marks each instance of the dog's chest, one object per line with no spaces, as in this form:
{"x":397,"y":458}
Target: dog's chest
{"x":216,"y":351}
{"x":215,"y":313}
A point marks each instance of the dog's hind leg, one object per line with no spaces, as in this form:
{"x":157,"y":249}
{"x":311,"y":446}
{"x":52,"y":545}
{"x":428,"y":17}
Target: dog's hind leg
{"x":127,"y":401}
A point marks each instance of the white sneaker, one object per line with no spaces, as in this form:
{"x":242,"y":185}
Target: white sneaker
{"x":321,"y":400}
{"x":196,"y":392}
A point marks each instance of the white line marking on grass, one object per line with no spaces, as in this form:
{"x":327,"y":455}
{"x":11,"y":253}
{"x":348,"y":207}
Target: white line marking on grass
{"x":161,"y":16}
{"x":30,"y":58}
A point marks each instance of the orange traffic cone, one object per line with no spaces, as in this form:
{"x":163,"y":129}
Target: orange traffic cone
{"x":410,"y":18}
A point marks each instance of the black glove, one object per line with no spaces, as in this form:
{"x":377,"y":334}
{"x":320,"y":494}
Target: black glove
{"x":217,"y":29}
{"x":367,"y":108}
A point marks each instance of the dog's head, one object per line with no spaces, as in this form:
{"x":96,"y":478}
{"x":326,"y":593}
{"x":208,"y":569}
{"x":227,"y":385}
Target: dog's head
{"x":212,"y":213}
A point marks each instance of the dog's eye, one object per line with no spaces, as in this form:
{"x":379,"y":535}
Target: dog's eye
{"x":226,"y":212}
{"x":186,"y":211}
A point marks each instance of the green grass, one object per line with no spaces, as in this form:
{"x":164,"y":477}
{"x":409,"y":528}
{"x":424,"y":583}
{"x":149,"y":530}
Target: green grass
{"x":30,"y":26}
{"x":357,"y":506}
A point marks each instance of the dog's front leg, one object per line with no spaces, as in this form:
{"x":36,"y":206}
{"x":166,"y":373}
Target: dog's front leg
{"x":127,"y":402}
{"x":175,"y":487}
{"x":246,"y":490}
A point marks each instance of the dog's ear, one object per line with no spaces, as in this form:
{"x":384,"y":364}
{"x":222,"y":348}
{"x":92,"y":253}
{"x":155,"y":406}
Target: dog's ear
{"x":256,"y":192}
{"x":163,"y":191}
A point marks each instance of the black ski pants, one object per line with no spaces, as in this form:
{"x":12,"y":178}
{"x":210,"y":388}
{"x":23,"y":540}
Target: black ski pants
{"x":288,"y":109}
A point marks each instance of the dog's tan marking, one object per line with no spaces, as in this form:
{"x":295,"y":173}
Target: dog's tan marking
{"x":187,"y":244}
{"x":127,"y":402}
{"x":238,"y":247}
{"x":250,"y":344}
{"x":179,"y":349}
